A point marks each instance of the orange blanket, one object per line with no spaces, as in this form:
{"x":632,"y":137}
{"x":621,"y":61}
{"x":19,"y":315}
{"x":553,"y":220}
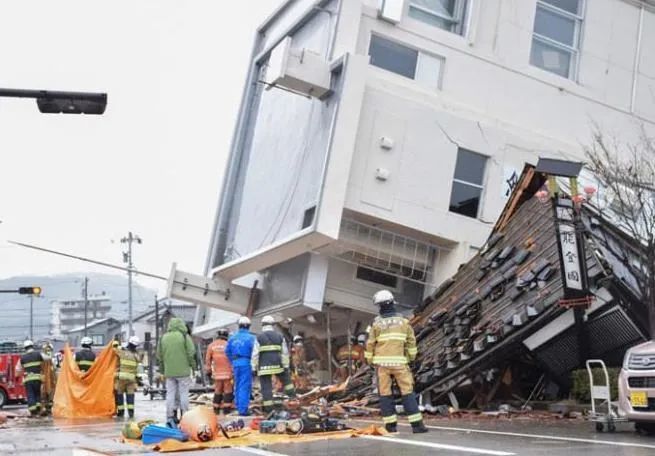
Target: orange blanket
{"x":86,"y":394}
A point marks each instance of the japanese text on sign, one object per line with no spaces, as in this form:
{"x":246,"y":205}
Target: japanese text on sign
{"x":569,"y":244}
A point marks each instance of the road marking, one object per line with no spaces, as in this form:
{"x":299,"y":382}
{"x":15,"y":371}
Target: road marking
{"x":548,"y":437}
{"x":534,"y":436}
{"x":258,"y":451}
{"x":52,"y":426}
{"x":440,"y":446}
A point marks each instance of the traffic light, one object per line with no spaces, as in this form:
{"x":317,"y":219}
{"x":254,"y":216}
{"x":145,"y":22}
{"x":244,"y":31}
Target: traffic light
{"x":30,"y":291}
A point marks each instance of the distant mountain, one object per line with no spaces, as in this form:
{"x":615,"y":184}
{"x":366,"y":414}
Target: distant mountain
{"x":15,"y":309}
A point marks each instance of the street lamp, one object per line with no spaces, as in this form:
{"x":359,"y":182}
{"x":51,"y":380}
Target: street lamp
{"x":61,"y":102}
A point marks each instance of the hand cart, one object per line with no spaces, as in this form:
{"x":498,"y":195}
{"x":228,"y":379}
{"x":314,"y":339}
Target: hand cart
{"x":602,"y":394}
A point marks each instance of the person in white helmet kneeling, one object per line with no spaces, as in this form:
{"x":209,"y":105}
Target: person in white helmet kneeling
{"x":390,"y":347}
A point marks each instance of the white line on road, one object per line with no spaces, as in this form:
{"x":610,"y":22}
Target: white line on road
{"x":440,"y":446}
{"x":536,"y":436}
{"x":547,"y":437}
{"x":259,"y":452}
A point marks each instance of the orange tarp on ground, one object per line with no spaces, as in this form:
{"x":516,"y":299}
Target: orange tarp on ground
{"x":86,"y":395}
{"x":253,"y":438}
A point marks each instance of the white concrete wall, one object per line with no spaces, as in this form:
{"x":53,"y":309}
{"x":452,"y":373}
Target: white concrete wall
{"x":492,"y":101}
{"x":345,"y":290}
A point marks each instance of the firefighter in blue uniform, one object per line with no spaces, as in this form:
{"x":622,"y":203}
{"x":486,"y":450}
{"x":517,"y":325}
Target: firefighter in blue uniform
{"x":239,"y":352}
{"x":270,"y":356}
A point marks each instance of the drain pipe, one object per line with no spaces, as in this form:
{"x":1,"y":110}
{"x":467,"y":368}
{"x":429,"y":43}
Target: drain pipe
{"x":635,"y":68}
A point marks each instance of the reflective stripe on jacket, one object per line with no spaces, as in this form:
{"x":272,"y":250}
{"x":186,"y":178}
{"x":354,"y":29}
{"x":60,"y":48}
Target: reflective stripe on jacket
{"x":128,"y":363}
{"x":216,"y":360}
{"x":356,"y":353}
{"x":391,"y":342}
{"x":84,"y":359}
{"x":31,"y":363}
{"x":270,"y":355}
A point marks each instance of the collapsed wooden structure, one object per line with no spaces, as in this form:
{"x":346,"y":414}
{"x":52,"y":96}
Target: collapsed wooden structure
{"x":507,"y":302}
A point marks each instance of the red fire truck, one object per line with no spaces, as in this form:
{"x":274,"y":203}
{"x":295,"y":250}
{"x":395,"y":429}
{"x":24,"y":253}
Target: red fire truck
{"x":11,"y":385}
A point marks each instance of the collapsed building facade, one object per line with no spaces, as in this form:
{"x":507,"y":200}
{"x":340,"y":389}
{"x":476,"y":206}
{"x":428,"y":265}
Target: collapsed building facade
{"x":504,"y":318}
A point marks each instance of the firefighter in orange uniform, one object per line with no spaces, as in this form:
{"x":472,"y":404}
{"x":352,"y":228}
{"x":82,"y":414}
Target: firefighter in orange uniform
{"x":355,"y":356}
{"x":217,"y":365}
{"x":299,"y":368}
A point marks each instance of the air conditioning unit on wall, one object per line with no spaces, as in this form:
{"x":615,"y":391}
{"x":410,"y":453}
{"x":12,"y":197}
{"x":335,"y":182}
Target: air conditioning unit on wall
{"x":391,"y":10}
{"x":299,"y":70}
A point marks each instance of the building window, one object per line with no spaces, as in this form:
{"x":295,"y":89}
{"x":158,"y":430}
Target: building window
{"x":380,"y":278}
{"x":467,"y":184}
{"x":556,"y":38}
{"x":405,"y":61}
{"x":308,"y":217}
{"x":98,"y":339}
{"x":445,"y":14}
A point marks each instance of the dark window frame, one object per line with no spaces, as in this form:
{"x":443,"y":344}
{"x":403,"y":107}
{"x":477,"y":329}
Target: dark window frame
{"x":479,"y":187}
{"x":370,"y":275}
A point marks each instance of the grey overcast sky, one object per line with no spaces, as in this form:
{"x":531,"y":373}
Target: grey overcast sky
{"x":174,"y":71}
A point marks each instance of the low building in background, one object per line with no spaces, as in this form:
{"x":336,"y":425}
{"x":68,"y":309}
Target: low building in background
{"x":168,"y":308}
{"x":100,"y":332}
{"x":68,"y":314}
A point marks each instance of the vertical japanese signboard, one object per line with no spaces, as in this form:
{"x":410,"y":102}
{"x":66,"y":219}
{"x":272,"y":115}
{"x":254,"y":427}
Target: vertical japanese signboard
{"x":570,"y":251}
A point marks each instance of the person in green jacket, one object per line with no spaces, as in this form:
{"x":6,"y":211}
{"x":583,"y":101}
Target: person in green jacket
{"x":177,"y":359}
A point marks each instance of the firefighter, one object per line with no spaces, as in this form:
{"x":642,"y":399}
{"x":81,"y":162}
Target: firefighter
{"x":270,"y":356}
{"x":353,"y":355}
{"x":391,"y":346}
{"x":218,"y":367}
{"x":30,"y":366}
{"x":299,"y":368}
{"x":126,"y":376}
{"x":85,"y":357}
{"x":239,"y":351}
{"x":48,"y":378}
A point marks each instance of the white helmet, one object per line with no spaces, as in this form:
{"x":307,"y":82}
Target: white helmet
{"x":268,"y":320}
{"x":134,"y":340}
{"x":297,"y":339}
{"x":28,"y":343}
{"x":383,"y":296}
{"x":86,"y":341}
{"x":361,"y":338}
{"x":243,"y":321}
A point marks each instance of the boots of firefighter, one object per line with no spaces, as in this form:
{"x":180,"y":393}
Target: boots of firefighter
{"x":388,"y":409}
{"x":120,"y":406}
{"x":414,"y":415}
{"x":419,"y":427}
{"x":266,"y":383}
{"x":228,"y":398}
{"x":218,"y":398}
{"x":130,"y":405}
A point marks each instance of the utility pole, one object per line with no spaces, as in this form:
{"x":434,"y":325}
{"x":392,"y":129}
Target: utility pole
{"x":127,"y":258}
{"x":86,"y":304}
{"x":32,"y":317}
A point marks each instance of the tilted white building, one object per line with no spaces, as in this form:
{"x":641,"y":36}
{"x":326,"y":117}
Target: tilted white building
{"x":377,"y":141}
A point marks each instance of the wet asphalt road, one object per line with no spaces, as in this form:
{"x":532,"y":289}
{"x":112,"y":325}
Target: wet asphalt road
{"x":447,"y":437}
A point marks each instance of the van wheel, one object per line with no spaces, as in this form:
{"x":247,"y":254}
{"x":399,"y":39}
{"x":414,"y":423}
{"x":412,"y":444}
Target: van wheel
{"x":3,"y":398}
{"x":611,"y":427}
{"x":599,"y":427}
